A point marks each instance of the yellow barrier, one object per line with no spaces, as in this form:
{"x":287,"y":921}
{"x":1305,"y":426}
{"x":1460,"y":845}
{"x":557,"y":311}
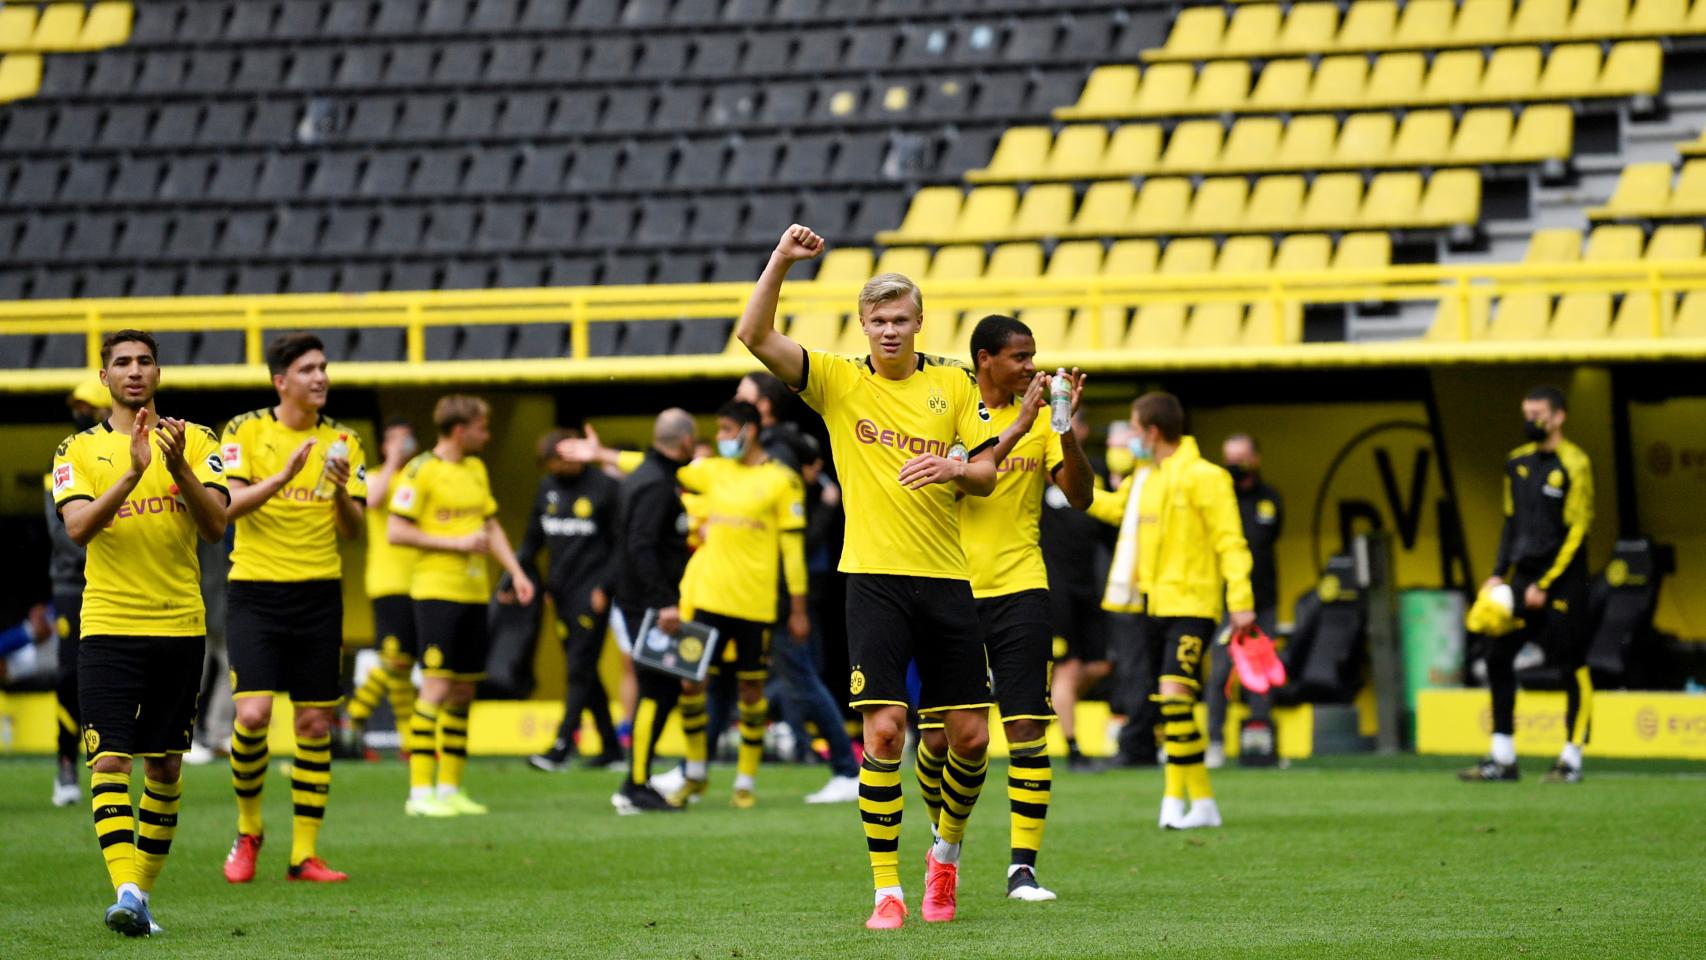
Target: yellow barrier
{"x":1626,"y":723}
{"x":1469,"y":290}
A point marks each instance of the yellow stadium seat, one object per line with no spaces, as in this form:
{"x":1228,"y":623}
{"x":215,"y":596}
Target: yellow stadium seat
{"x":1633,"y":68}
{"x":1309,"y":28}
{"x":1393,"y":200}
{"x":1105,"y":209}
{"x":1254,"y":142}
{"x":1256,"y":254}
{"x":1581,"y":316}
{"x":1400,"y":79}
{"x":1109,"y":92}
{"x":17,"y":27}
{"x":853,"y":342}
{"x":1451,"y":325}
{"x":1364,"y":141}
{"x":1308,"y":144}
{"x":1642,"y":190}
{"x":1044,"y":211}
{"x":1283,"y":85}
{"x":1223,"y":86}
{"x":108,"y":25}
{"x":1452,"y":199}
{"x":1634,"y":320}
{"x":1653,"y":18}
{"x":1134,"y":149}
{"x":20,"y":76}
{"x":930,"y":215}
{"x":1333,"y":202}
{"x":817,"y":331}
{"x":1689,"y":198}
{"x":1189,"y":255}
{"x":1513,"y":73}
{"x":913,"y":262}
{"x":1545,"y":131}
{"x":1597,"y":19}
{"x":1274,"y":204}
{"x":59,"y":27}
{"x":942,"y":334}
{"x":1370,"y":25}
{"x":1537,"y":21}
{"x":1020,"y":155}
{"x":1339,"y":83}
{"x":1071,"y":260}
{"x":1213,"y":326}
{"x":1521,"y":316}
{"x":1691,"y":315}
{"x":1218,"y":205}
{"x":1454,"y":78}
{"x":1077,"y":152}
{"x":1482,"y":23}
{"x":1676,"y":241}
{"x":1048,"y":327}
{"x":1251,"y":31}
{"x":1245,"y":255}
{"x":1483,"y":136}
{"x":1163,"y":91}
{"x":1424,"y":138}
{"x":987,"y":215}
{"x":1363,"y":251}
{"x":1131,"y":258}
{"x":1305,"y":252}
{"x":1195,"y":35}
{"x":1126,"y":258}
{"x":1554,"y":245}
{"x":1695,"y":147}
{"x":1015,"y":261}
{"x":960,"y":262}
{"x":1161,"y":206}
{"x":1572,"y":71}
{"x":1194,"y":147}
{"x":1260,"y":330}
{"x":1614,"y":244}
{"x":1157,"y":326}
{"x":845,"y":265}
{"x":1424,"y":24}
{"x":1077,"y":258}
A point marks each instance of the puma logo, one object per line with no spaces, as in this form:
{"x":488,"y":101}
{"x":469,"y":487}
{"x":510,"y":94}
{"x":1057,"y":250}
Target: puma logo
{"x":106,"y":460}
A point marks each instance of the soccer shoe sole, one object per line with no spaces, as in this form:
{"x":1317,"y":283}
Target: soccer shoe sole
{"x":130,"y":921}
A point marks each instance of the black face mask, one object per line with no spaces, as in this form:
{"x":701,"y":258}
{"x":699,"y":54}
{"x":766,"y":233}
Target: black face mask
{"x":1535,"y":432}
{"x":1239,"y":472}
{"x":84,"y":420}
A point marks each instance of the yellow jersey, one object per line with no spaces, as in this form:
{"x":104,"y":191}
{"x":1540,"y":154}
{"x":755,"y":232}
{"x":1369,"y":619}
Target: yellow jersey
{"x":875,"y":426}
{"x":446,"y":500}
{"x":143,"y":578}
{"x":1002,"y":533}
{"x":746,"y":510}
{"x":389,"y":567}
{"x":291,"y":537}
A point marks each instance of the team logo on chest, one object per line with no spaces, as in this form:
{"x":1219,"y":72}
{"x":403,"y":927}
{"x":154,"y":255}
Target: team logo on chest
{"x":937,"y":403}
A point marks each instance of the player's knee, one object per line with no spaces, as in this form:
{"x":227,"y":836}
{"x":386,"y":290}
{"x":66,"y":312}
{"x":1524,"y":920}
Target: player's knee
{"x":1097,"y":670}
{"x":1024,"y":731}
{"x":165,"y":769}
{"x":255,"y":713}
{"x":312,"y":723}
{"x":751,"y":691}
{"x":934,"y":739}
{"x":969,"y":740}
{"x":111,"y":765}
{"x":885,"y":734}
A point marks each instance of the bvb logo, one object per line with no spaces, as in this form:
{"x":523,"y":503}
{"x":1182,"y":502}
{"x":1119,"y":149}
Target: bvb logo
{"x":857,"y":684}
{"x":583,"y":507}
{"x":1555,"y":478}
{"x":390,"y":644}
{"x":938,"y":404}
{"x":91,"y":740}
{"x":1660,"y":459}
{"x":1328,"y":590}
{"x":1646,"y":723}
{"x":691,"y":648}
{"x":1617,"y":573}
{"x":434,"y":658}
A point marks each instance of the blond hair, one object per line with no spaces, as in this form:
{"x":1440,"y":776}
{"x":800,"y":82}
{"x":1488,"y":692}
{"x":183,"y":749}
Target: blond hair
{"x":889,"y":286}
{"x":456,"y":410}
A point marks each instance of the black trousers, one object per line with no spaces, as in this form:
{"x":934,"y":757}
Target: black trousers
{"x":1560,"y":628}
{"x":583,"y":642}
{"x":69,"y":607}
{"x":1137,"y":671}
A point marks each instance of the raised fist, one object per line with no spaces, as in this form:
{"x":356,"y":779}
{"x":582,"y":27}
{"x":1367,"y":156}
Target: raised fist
{"x":799,"y":243}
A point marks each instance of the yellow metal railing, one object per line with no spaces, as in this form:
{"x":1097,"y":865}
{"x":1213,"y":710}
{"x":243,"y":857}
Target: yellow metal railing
{"x":1469,"y":289}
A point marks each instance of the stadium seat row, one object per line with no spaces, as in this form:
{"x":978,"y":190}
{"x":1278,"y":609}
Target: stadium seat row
{"x":1695,"y":147}
{"x":1354,"y":82}
{"x":64,"y":27}
{"x":1425,"y":138}
{"x":1169,"y":206}
{"x":1266,"y":30}
{"x":1576,"y":316}
{"x":1618,"y":243}
{"x":20,"y":76}
{"x":1645,"y":190}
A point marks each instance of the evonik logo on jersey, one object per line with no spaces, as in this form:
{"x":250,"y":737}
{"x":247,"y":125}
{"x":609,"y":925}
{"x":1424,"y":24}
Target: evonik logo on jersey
{"x":146,"y":506}
{"x":868,"y":432}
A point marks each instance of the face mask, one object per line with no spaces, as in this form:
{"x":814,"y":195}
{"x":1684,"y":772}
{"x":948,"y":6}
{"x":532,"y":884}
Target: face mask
{"x":1535,"y":431}
{"x":1139,"y":449}
{"x":732,"y":448}
{"x":1239,"y":472}
{"x":409,"y":445}
{"x":83,"y":420}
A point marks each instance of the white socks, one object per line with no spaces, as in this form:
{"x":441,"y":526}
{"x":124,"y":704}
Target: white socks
{"x":744,"y":782}
{"x":446,"y":790}
{"x":1572,"y":755}
{"x":697,"y":769}
{"x":133,"y":890}
{"x":1504,"y":749}
{"x":889,"y":892}
{"x":420,"y":793}
{"x":945,"y":852}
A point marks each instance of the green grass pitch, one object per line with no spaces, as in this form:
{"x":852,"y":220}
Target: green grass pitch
{"x":1337,"y":859}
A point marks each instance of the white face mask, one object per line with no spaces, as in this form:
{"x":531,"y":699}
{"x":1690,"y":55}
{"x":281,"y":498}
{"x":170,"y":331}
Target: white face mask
{"x":1138,"y":448}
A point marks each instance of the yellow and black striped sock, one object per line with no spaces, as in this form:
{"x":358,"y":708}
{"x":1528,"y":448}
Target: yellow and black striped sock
{"x":248,"y":775}
{"x":366,"y":698}
{"x":1030,"y":779}
{"x":402,"y":693}
{"x":928,"y":767}
{"x":115,"y":826}
{"x":962,"y":781}
{"x":423,"y":756}
{"x":452,"y":747}
{"x":309,"y":785}
{"x":640,"y":759}
{"x":156,"y":824}
{"x":880,"y":804}
{"x":697,"y":748}
{"x":754,"y":717}
{"x":1183,"y":742}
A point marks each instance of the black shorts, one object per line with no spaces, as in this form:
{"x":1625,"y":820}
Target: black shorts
{"x":1081,"y":626}
{"x":454,"y":639}
{"x":138,"y":695}
{"x":745,"y":644}
{"x":394,"y":626}
{"x":1562,"y":628}
{"x":1184,"y":647}
{"x":896,"y":620}
{"x":286,"y":638}
{"x":1018,"y":640}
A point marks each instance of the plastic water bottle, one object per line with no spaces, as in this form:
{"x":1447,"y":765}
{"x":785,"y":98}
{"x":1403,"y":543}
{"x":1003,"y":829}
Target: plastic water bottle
{"x":957,"y":452}
{"x":1060,"y":402}
{"x":325,"y":489}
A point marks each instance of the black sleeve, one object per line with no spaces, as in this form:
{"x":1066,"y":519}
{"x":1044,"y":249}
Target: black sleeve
{"x":609,"y":519}
{"x":1279,"y":516}
{"x":648,"y":511}
{"x":533,"y":540}
{"x":1507,"y":532}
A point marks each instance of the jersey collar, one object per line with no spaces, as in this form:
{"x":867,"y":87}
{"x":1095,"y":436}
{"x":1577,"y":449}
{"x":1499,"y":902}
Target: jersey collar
{"x":873,"y":367}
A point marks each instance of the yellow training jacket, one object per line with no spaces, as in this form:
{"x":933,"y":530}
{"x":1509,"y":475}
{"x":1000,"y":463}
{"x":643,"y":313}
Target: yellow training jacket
{"x":1190,"y":536}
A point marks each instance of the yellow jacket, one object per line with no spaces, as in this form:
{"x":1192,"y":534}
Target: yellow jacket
{"x":1191,"y":548}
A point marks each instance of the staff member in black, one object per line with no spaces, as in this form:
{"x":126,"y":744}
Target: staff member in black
{"x":1543,"y":547}
{"x":652,"y":558}
{"x":574,"y":520}
{"x":1264,"y":514}
{"x":1075,"y":546}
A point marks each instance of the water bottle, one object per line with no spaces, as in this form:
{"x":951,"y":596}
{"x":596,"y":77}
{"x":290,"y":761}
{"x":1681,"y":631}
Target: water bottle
{"x":1060,"y":402}
{"x":957,"y":452}
{"x":325,"y":489}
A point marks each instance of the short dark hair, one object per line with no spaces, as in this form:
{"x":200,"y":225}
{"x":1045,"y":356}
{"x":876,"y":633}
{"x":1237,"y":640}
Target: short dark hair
{"x":287,"y":348}
{"x":1163,"y":412}
{"x":1553,"y":396}
{"x":403,"y":422}
{"x":740,"y":412}
{"x":771,"y":388}
{"x":993,"y":332}
{"x":128,"y":336}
